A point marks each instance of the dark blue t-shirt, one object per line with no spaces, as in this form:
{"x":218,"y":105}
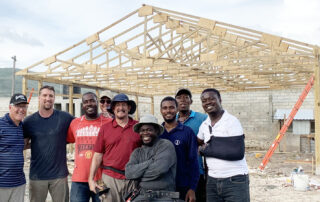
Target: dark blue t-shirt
{"x":185,"y":143}
{"x":48,"y":144}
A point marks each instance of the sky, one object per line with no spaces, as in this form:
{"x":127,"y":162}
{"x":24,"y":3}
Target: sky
{"x":36,"y":29}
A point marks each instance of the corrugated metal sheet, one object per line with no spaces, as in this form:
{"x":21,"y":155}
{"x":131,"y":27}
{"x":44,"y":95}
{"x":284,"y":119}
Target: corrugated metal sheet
{"x":302,"y":114}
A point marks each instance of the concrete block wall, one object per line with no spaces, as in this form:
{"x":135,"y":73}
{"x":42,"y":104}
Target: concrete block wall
{"x":254,"y":109}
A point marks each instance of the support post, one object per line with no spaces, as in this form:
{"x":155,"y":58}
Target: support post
{"x":152,"y":105}
{"x":24,"y":85}
{"x":71,"y":99}
{"x":98,"y":94}
{"x":39,"y":86}
{"x":137,"y":109}
{"x":317,"y":111}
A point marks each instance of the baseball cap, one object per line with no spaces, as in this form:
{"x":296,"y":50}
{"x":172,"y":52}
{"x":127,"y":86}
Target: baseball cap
{"x":183,"y":91}
{"x":18,"y":98}
{"x":106,"y":94}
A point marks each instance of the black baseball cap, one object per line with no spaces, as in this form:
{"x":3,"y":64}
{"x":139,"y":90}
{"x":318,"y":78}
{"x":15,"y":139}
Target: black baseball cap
{"x":18,"y":98}
{"x":183,"y":91}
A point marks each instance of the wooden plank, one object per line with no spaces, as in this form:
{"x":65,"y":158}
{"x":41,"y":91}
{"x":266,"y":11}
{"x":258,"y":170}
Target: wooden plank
{"x":39,"y":87}
{"x":90,"y":67}
{"x":160,"y":18}
{"x":71,"y":100}
{"x":93,"y":38}
{"x":183,"y":29}
{"x":206,"y":23}
{"x":145,"y":11}
{"x":172,"y":24}
{"x":208,"y":57}
{"x":143,"y":62}
{"x":24,"y":85}
{"x":123,"y":45}
{"x":220,"y":31}
{"x":50,"y":60}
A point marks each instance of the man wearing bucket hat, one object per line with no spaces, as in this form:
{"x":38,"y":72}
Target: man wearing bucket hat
{"x":153,"y":164}
{"x":12,"y":178}
{"x":116,"y":141}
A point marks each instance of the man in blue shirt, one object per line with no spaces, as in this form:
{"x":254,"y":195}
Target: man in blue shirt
{"x":12,"y":179}
{"x":185,"y":144}
{"x":192,"y":119}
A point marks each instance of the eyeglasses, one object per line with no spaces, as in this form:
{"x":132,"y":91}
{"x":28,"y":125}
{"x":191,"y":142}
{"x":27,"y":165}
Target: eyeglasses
{"x":24,"y":107}
{"x":105,"y":101}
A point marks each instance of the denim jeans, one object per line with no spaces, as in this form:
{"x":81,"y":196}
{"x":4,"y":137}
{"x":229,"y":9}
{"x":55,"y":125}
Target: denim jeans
{"x":231,"y":189}
{"x":80,"y":192}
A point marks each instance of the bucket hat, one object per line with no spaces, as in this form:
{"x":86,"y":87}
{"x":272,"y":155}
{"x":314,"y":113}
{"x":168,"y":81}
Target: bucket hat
{"x":148,"y":119}
{"x":122,"y":98}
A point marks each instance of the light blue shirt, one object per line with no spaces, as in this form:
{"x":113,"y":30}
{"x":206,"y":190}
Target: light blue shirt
{"x":194,"y":121}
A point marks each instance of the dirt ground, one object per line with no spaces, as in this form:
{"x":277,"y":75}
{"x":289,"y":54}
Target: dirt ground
{"x":272,"y":184}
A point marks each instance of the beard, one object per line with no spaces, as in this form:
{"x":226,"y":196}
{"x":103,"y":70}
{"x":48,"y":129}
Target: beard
{"x":170,"y":120}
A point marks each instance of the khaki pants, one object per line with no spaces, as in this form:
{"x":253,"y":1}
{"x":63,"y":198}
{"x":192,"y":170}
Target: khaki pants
{"x":58,"y":189}
{"x":12,"y":194}
{"x":118,"y":188}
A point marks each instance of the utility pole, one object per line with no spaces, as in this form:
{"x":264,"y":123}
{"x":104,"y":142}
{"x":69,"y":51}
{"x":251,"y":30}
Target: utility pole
{"x":13,"y":74}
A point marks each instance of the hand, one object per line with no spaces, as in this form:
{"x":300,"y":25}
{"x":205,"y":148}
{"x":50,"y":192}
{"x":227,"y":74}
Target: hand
{"x":93,"y":185}
{"x":201,"y":148}
{"x":190,"y":196}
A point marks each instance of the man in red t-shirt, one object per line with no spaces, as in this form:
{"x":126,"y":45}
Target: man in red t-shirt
{"x":83,"y":132}
{"x":114,"y":145}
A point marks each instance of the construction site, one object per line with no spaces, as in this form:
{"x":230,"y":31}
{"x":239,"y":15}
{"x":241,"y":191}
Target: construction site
{"x":270,"y":83}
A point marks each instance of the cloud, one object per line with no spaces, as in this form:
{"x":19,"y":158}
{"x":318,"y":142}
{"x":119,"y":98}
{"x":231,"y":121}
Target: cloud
{"x":23,"y":38}
{"x":36,"y":29}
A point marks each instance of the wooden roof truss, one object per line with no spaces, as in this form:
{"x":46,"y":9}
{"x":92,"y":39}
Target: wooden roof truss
{"x":154,"y":51}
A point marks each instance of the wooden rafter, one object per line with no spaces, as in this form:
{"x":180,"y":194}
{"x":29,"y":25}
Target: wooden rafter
{"x":164,"y":50}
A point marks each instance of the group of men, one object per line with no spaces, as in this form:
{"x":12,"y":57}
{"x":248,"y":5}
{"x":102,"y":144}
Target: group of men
{"x":118,"y":157}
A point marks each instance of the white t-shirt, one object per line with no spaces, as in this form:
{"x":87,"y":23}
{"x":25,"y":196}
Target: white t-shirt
{"x":227,"y":126}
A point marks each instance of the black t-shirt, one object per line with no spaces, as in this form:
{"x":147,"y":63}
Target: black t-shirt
{"x":48,"y":144}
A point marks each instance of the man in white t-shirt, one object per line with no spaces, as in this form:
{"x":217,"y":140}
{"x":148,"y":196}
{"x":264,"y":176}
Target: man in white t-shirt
{"x":228,"y":180}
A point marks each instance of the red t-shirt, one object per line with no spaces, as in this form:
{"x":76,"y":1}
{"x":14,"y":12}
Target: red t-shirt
{"x":116,"y":144}
{"x":84,"y":133}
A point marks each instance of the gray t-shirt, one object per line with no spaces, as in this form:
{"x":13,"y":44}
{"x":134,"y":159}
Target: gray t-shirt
{"x":154,"y":166}
{"x":48,"y":144}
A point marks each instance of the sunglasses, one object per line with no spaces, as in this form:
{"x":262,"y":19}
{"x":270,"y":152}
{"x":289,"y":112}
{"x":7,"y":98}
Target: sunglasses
{"x":105,"y":101}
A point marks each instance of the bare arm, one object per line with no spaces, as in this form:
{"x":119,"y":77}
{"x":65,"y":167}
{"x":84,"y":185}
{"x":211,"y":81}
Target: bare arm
{"x":96,"y":162}
{"x":27,"y":143}
{"x":200,"y":142}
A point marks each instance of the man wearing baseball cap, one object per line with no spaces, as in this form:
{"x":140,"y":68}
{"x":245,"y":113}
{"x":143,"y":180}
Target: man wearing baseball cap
{"x":193,"y":119}
{"x":154,"y":164}
{"x":12,"y":178}
{"x":115,"y":143}
{"x":105,"y":101}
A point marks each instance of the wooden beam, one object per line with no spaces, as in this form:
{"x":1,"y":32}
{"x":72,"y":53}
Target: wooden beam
{"x":137,"y":109}
{"x":71,"y":99}
{"x":24,"y":85}
{"x":152,"y":105}
{"x":39,"y":86}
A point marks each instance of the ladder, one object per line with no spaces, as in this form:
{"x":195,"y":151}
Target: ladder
{"x":287,"y":123}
